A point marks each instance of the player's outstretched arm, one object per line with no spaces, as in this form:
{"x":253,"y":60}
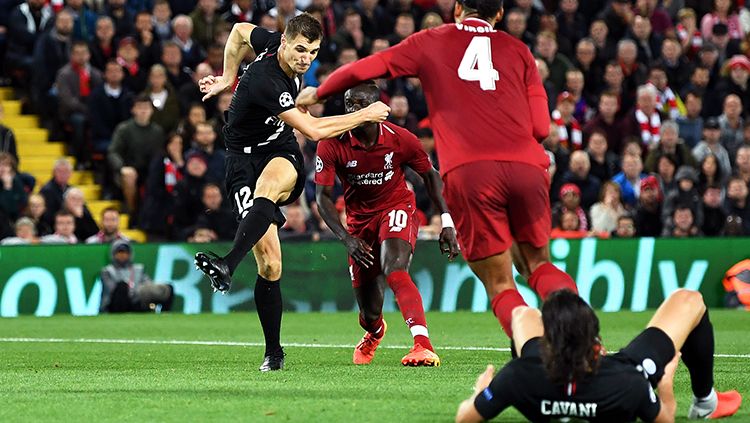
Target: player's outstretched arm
{"x":236,"y":48}
{"x":448,"y":240}
{"x":358,"y":249}
{"x":467,"y":412}
{"x":317,"y":129}
{"x":371,"y":67}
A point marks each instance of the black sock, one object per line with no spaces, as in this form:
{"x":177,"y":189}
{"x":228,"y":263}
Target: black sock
{"x":269,"y":305}
{"x":698,"y":356}
{"x":251,"y":229}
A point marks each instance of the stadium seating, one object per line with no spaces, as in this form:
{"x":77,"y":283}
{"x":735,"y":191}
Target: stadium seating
{"x":37,"y":156}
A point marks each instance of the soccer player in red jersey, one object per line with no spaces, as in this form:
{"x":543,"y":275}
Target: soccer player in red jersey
{"x":488,"y":110}
{"x":381,"y":219}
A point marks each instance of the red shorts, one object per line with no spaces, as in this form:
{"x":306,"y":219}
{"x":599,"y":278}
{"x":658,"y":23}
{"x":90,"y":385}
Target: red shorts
{"x":400,"y":222}
{"x":495,"y":203}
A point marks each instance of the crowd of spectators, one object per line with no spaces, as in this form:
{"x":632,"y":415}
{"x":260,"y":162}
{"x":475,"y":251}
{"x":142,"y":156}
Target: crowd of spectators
{"x":648,"y":100}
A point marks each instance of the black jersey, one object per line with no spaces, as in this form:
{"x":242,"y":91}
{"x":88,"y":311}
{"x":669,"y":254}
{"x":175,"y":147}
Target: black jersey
{"x":263,"y":93}
{"x":620,"y":391}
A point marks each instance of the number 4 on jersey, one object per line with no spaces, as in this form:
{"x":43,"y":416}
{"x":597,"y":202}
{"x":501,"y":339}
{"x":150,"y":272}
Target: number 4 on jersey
{"x":476,"y":64}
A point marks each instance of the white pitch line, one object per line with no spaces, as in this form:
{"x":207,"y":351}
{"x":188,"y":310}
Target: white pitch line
{"x":217,"y":343}
{"x":252,"y":344}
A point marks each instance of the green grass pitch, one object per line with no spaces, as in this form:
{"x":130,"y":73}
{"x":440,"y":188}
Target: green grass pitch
{"x":186,"y":382}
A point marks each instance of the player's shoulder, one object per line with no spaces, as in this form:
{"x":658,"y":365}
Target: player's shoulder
{"x":333,"y":145}
{"x":397,"y":132}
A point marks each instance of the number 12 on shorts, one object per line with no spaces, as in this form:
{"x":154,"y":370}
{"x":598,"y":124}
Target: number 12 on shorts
{"x":476,"y":64}
{"x":244,"y":199}
{"x":397,"y":220}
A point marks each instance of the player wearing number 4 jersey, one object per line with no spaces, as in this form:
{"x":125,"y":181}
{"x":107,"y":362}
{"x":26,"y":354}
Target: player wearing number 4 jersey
{"x":264,"y":168}
{"x":381,"y":220}
{"x":488,"y":110}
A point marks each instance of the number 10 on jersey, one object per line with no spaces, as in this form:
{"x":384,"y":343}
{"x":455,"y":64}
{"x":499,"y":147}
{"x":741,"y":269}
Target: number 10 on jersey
{"x":476,"y":64}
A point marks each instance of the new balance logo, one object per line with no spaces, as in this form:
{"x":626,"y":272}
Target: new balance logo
{"x":351,"y":163}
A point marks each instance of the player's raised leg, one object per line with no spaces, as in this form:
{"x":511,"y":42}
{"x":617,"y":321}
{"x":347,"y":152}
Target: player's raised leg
{"x":395,"y":259}
{"x":529,"y":223}
{"x":684,"y":318}
{"x":369,"y":294}
{"x":268,"y":297}
{"x":275,"y":184}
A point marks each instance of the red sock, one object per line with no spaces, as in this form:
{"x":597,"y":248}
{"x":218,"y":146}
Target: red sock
{"x":547,"y":279}
{"x":503,"y":305}
{"x":410,"y":302}
{"x":375,"y":328}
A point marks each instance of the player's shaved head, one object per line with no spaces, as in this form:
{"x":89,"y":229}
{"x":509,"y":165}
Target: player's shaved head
{"x":361,"y":96}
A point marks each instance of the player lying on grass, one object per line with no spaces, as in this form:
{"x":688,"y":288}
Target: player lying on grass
{"x":563,"y":372}
{"x":381,"y":219}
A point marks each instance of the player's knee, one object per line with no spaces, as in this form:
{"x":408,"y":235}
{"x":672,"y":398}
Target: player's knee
{"x":395,"y":266}
{"x":525,"y":312}
{"x":693,"y":300}
{"x":270,"y":268}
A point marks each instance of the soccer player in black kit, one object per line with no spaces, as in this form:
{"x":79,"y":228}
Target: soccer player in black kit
{"x":562,"y":370}
{"x":264,"y":166}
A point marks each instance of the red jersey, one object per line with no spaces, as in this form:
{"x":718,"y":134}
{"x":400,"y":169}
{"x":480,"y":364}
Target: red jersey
{"x":373,"y":179}
{"x":477,"y":82}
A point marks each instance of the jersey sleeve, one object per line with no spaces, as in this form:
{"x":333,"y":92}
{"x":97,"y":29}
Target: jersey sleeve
{"x":259,"y":38}
{"x":531,"y":73}
{"x":649,"y":405}
{"x":415,"y":155}
{"x":404,"y":58}
{"x":273,"y":94}
{"x":325,"y":164}
{"x":496,"y":397}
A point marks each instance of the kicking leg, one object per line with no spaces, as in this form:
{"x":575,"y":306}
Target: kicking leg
{"x":268,"y":297}
{"x":274,"y":185}
{"x":684,"y":318}
{"x":534,"y":265}
{"x":496,"y":273}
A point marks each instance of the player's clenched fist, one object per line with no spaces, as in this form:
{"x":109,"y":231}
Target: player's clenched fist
{"x":307,"y":97}
{"x":377,"y":112}
{"x":212,"y":86}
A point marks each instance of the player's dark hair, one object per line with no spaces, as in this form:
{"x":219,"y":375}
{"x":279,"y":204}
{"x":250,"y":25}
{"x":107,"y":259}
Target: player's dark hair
{"x":304,"y":24}
{"x":570,"y":346}
{"x":368,"y":89}
{"x":486,"y":9}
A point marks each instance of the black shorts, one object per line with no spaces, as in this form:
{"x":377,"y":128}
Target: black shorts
{"x":243,"y":171}
{"x":649,"y":352}
{"x":532,"y":348}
